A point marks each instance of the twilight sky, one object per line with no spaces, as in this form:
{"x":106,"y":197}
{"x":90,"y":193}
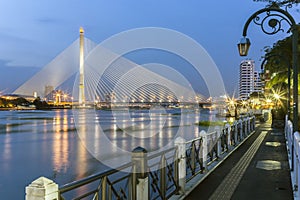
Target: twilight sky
{"x":33,"y":32}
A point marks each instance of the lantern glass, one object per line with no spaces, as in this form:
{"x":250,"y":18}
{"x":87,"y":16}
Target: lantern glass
{"x":244,"y":46}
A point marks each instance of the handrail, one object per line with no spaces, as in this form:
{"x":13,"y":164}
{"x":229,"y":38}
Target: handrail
{"x":200,"y":157}
{"x":166,"y":172}
{"x":92,"y":178}
{"x":161,"y":153}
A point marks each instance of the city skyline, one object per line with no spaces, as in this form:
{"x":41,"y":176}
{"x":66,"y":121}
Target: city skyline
{"x":34,"y":33}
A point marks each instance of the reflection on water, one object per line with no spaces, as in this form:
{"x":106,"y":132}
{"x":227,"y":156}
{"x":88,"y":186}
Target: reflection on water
{"x":110,"y":136}
{"x":40,"y":143}
{"x":61,"y":146}
{"x":46,"y":143}
{"x":7,"y":151}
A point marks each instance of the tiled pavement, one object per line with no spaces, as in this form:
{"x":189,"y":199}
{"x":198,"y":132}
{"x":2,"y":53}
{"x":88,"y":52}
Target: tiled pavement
{"x":258,"y":169}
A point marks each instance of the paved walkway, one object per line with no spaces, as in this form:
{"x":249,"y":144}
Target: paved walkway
{"x":258,"y":169}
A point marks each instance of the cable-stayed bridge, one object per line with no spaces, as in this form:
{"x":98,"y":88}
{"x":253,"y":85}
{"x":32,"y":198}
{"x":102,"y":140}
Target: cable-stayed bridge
{"x":109,"y":78}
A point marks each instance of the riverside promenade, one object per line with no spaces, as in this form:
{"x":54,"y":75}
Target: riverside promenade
{"x":258,"y":169}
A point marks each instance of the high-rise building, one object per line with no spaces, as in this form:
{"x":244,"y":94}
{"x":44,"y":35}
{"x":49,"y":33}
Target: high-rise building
{"x":248,"y":79}
{"x":257,"y":83}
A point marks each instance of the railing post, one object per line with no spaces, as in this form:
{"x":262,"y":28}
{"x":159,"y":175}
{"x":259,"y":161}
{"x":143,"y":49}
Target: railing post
{"x":245,"y":127}
{"x":249,"y":125}
{"x":241,"y":129}
{"x":42,"y":189}
{"x":163,"y":181}
{"x":286,"y":126}
{"x":181,"y":156}
{"x":103,"y":186}
{"x":296,"y":159}
{"x":253,"y":123}
{"x":297,"y":173}
{"x":204,"y":148}
{"x":140,"y":186}
{"x":228,"y":137}
{"x":218,"y":138}
{"x":291,"y":144}
{"x":290,"y":136}
{"x":193,"y":157}
{"x":235,"y":133}
{"x":245,"y":121}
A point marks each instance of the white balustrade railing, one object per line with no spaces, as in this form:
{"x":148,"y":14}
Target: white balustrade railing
{"x":293,"y":148}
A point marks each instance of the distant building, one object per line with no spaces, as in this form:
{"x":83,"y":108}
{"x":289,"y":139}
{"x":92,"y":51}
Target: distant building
{"x":249,"y":79}
{"x":48,"y":89}
{"x":258,"y":86}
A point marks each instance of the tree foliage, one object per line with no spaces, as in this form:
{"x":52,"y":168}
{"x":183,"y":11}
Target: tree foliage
{"x":279,"y":59}
{"x":39,"y":104}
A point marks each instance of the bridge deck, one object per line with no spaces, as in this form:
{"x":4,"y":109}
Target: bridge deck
{"x":258,"y":169}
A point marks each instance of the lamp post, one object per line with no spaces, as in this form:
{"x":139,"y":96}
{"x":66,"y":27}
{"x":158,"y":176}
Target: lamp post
{"x":271,"y":21}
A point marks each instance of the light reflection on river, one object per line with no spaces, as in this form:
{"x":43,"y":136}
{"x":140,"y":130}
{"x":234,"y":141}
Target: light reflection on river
{"x":45,"y":143}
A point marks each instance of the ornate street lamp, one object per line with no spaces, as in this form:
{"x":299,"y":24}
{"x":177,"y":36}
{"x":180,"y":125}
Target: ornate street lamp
{"x":271,"y":21}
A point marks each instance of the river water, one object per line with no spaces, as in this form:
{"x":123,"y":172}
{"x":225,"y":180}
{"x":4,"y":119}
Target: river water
{"x":57,"y":143}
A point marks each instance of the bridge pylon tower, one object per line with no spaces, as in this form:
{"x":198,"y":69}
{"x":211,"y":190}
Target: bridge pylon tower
{"x":81,"y":68}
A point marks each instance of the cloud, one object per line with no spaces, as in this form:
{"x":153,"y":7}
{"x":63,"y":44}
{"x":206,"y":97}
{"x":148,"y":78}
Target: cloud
{"x":26,"y":51}
{"x":13,"y":77}
{"x":48,"y":20}
{"x":15,"y":38}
